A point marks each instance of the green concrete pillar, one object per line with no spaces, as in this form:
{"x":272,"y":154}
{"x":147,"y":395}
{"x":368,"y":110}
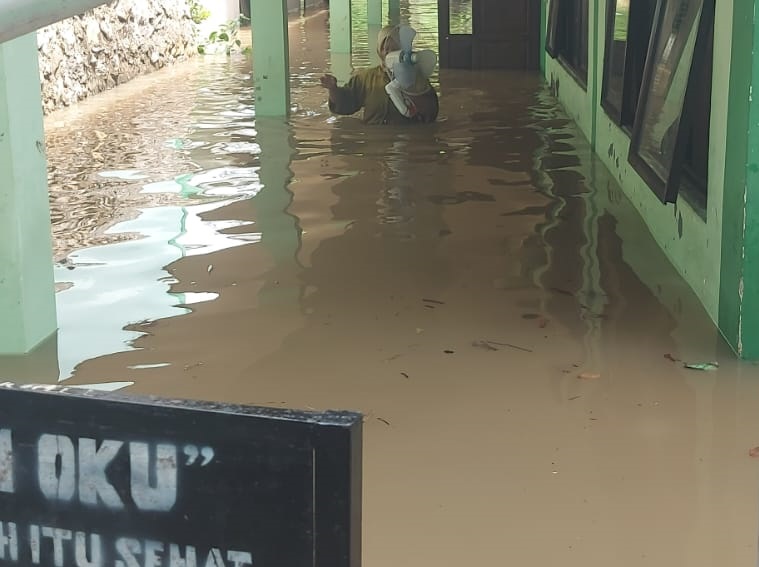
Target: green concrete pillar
{"x":374,"y":58}
{"x":374,"y":12}
{"x":394,"y":12}
{"x":739,"y":269}
{"x":271,"y":57}
{"x":27,"y":293}
{"x":340,"y":38}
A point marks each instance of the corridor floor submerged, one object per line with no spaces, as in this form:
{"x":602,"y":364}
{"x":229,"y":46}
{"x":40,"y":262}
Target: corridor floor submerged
{"x":480,"y":289}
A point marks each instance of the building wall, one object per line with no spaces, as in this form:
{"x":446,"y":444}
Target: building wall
{"x":692,"y":243}
{"x":100,"y":49}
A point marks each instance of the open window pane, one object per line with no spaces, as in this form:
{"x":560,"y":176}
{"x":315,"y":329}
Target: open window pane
{"x":551,"y":33}
{"x":460,"y":13}
{"x":641,"y":22}
{"x":567,"y":37}
{"x":663,"y":93}
{"x":616,"y":53}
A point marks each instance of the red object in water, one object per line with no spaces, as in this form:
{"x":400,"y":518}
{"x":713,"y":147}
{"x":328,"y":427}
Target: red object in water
{"x":754,"y":452}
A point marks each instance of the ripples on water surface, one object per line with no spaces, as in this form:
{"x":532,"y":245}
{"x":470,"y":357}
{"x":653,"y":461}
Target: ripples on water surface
{"x":451,"y":282}
{"x":136,"y":173}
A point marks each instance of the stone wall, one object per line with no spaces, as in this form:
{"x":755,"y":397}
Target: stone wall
{"x":110,"y":45}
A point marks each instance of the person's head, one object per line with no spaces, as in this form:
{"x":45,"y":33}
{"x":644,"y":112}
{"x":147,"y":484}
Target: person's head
{"x":388,"y":40}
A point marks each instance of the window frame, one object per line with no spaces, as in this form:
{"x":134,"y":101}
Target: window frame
{"x":557,"y":45}
{"x":551,"y":31}
{"x":611,"y":18}
{"x":667,"y":190}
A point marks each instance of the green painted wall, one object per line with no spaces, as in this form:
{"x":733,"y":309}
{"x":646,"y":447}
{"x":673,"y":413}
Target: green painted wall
{"x":739,"y":295}
{"x":693,"y":244}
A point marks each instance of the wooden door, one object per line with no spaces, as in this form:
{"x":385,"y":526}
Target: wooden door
{"x":503,"y":34}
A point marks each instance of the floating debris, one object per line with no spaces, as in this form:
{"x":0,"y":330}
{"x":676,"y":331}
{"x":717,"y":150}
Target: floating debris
{"x":753,"y":452}
{"x":704,"y":366}
{"x":509,"y":345}
{"x":668,"y":356}
{"x":483,"y":345}
{"x":588,"y":376}
{"x":210,"y":267}
{"x":386,"y":422}
{"x":435,"y":301}
{"x":404,"y":375}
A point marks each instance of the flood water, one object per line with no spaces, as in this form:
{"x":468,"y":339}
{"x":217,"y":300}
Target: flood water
{"x":479,"y":288}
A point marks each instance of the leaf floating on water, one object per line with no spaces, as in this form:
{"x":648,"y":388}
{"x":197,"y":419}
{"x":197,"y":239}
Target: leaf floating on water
{"x":509,"y":345}
{"x":588,"y":376}
{"x":704,"y":366}
{"x":483,"y":345}
{"x":753,"y":452}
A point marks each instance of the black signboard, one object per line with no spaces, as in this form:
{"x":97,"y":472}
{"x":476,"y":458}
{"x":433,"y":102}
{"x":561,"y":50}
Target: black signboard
{"x":98,"y":480}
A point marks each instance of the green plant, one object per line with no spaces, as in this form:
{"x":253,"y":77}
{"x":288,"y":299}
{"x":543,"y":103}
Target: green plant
{"x":198,"y":12}
{"x":227,"y":37}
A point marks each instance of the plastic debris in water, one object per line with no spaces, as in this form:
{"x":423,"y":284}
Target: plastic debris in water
{"x":588,"y":376}
{"x":701,"y":365}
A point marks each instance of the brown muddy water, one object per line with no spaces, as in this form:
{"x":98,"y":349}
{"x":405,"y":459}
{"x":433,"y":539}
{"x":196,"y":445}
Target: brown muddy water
{"x":480,"y":289}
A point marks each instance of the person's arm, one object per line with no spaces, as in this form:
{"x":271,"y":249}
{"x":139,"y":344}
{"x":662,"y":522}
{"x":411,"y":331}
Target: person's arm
{"x":347,"y":99}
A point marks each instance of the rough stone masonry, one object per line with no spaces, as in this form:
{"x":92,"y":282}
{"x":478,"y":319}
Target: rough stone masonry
{"x":110,"y":45}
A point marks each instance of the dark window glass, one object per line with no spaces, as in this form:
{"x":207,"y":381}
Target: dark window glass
{"x":628,"y":30}
{"x":666,"y":126}
{"x":567,"y":37}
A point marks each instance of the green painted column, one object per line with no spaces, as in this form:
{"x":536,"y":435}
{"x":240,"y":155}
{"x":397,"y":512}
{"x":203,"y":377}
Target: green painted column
{"x":271,"y":57}
{"x":739,"y":269}
{"x":374,"y":58}
{"x":340,"y":37}
{"x":374,"y":12}
{"x":27,"y":293}
{"x":394,"y":12}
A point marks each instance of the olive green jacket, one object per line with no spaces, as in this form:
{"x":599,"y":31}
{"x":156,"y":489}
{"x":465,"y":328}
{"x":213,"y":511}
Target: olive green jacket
{"x":366,"y":90}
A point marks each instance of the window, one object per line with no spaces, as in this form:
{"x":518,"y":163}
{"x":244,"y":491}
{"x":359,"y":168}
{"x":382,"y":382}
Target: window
{"x":628,"y":30}
{"x":670,"y":136}
{"x":461,"y":17}
{"x":567,"y":38}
